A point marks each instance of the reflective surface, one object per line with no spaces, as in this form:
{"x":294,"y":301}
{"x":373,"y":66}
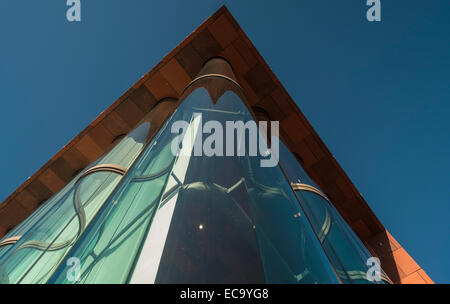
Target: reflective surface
{"x":349,"y":264}
{"x":200,"y":219}
{"x":209,"y":212}
{"x":292,"y":168}
{"x":346,"y":252}
{"x":48,"y":234}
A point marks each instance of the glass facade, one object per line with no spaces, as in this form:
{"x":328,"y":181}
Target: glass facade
{"x":167,"y":211}
{"x":43,"y":240}
{"x":346,"y":252}
{"x":200,"y":219}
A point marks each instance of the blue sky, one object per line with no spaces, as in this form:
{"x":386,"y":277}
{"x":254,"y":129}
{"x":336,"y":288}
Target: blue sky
{"x":377,"y":93}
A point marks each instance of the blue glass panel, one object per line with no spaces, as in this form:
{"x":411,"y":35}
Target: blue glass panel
{"x":200,"y":219}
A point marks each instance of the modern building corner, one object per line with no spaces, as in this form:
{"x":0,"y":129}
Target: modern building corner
{"x":117,"y":198}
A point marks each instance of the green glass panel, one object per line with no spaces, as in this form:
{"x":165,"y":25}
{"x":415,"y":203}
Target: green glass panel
{"x":109,"y":247}
{"x":49,"y":233}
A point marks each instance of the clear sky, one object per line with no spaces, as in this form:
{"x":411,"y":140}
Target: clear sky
{"x":377,"y":93}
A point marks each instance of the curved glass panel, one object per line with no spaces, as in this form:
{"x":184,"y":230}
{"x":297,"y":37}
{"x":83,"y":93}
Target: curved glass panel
{"x":292,"y":168}
{"x":346,"y":252}
{"x":349,"y":264}
{"x":48,"y":234}
{"x":193,"y":218}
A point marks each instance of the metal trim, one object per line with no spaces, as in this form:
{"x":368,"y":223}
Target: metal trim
{"x":10,"y":241}
{"x":39,"y":245}
{"x":306,"y":187}
{"x":144,"y":178}
{"x":326,"y":227}
{"x":102,"y":168}
{"x":211,"y":75}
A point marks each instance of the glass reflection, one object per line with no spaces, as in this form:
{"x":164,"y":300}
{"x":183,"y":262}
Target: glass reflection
{"x":346,"y":252}
{"x":49,"y":233}
{"x":200,"y":219}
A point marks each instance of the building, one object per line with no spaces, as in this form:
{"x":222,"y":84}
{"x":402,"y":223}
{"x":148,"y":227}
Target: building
{"x":115,"y":198}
